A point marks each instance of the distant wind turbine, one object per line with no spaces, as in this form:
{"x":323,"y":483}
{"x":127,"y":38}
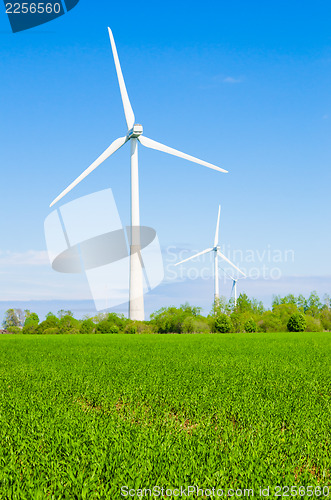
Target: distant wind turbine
{"x":217,"y":253}
{"x":134,"y":134}
{"x":234,"y":285}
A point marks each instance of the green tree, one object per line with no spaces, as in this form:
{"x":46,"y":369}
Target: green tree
{"x":13,"y":317}
{"x":270,"y":322}
{"x":67,"y":323}
{"x":62,"y":312}
{"x":313,"y":324}
{"x":105,"y":326}
{"x":243,"y":303}
{"x":250,"y":326}
{"x":302,"y":304}
{"x":87,"y":326}
{"x":51,"y":321}
{"x":173,"y":319}
{"x":297,"y":323}
{"x":222,"y":323}
{"x":221,"y":306}
{"x":325,"y":319}
{"x":314,"y":305}
{"x":31,"y":323}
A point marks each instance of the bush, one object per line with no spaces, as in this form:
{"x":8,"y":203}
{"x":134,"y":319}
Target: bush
{"x":270,"y":322}
{"x":30,"y":328}
{"x":131,"y":329}
{"x":326,"y":319}
{"x":250,"y":326}
{"x":51,"y":321}
{"x":222,"y":323}
{"x":201,"y":326}
{"x":236,"y":322}
{"x":87,"y":326}
{"x":297,"y":323}
{"x":14,"y":329}
{"x":106,"y":327}
{"x":172,"y":319}
{"x":188,"y":325}
{"x":68,"y":323}
{"x":283,"y":312}
{"x":51,"y":331}
{"x":32,"y":319}
{"x":313,"y":324}
{"x":73,"y":331}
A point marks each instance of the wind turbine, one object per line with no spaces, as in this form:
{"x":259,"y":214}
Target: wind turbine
{"x":234,"y":285}
{"x":217,"y":254}
{"x":134,"y":134}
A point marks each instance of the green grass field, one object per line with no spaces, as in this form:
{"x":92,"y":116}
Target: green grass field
{"x":82,"y":416}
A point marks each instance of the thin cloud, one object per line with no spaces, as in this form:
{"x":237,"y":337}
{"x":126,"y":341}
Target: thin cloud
{"x":231,"y":79}
{"x":29,"y":258}
{"x":217,"y":80}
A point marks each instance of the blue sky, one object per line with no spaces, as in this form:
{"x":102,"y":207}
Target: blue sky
{"x":243,"y":85}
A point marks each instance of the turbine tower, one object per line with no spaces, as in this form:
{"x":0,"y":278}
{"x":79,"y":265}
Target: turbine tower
{"x":134,"y":134}
{"x":217,"y":254}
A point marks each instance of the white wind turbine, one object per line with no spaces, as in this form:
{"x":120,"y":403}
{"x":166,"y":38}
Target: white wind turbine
{"x":134,"y":134}
{"x":217,"y":253}
{"x":234,"y":285}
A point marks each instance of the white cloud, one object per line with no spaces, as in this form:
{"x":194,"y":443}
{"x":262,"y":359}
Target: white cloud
{"x":231,"y":79}
{"x":29,"y":258}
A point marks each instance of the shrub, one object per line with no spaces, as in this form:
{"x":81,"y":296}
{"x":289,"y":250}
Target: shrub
{"x":236,"y":322}
{"x":30,"y":328}
{"x":188,"y":325}
{"x":114,"y":329}
{"x":73,"y":331}
{"x":51,"y":321}
{"x":14,"y":329}
{"x":326,"y":319}
{"x":297,"y":323}
{"x":33,"y":319}
{"x":283,"y":312}
{"x":222,"y":323}
{"x":51,"y":331}
{"x":131,"y":328}
{"x":270,"y":322}
{"x":172,"y":319}
{"x":87,"y":326}
{"x":250,"y":326}
{"x":68,"y":323}
{"x":142,"y":326}
{"x":313,"y":324}
{"x":201,"y":326}
{"x":105,"y":327}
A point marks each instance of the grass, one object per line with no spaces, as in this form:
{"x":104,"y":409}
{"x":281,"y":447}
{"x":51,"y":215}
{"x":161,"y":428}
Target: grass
{"x":81,"y":416}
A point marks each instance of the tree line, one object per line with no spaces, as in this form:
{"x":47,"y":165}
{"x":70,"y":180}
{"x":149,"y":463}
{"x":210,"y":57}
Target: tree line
{"x":287,"y":313}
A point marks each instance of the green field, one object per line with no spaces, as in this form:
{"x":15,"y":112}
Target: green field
{"x":82,"y":416}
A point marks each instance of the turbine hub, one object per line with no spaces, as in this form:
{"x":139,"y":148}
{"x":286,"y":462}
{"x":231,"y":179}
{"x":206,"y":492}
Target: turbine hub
{"x":135,"y":132}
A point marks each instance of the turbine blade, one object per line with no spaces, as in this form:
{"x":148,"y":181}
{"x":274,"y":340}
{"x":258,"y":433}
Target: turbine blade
{"x":229,"y":262}
{"x":228,"y":275}
{"x":193,"y":256}
{"x":109,"y":151}
{"x":233,"y":285}
{"x":149,"y":143}
{"x":129,"y":115}
{"x":217,"y":227}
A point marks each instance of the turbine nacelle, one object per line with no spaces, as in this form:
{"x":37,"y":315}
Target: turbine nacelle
{"x":135,"y":131}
